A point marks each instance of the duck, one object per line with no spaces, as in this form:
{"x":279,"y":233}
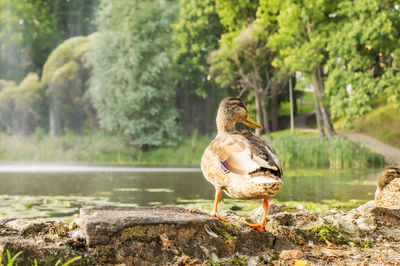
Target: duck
{"x":388,"y":188}
{"x":241,"y":164}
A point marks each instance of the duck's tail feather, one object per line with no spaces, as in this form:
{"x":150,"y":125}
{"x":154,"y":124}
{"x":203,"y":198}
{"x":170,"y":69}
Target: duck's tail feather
{"x":265,"y":180}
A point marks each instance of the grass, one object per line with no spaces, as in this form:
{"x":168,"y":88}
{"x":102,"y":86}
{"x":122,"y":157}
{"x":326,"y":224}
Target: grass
{"x":97,"y":149}
{"x":315,"y":151}
{"x":298,"y":150}
{"x":382,"y":123}
{"x":12,"y":260}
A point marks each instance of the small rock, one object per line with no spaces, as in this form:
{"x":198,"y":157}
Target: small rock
{"x":252,"y":262}
{"x":290,"y":254}
{"x":77,"y":235}
{"x":331,"y":252}
{"x":214,"y":257}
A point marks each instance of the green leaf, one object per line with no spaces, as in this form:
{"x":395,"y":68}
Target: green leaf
{"x":72,"y":260}
{"x":12,"y":260}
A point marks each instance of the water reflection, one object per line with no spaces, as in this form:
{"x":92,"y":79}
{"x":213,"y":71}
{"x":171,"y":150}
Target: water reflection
{"x":171,"y":186}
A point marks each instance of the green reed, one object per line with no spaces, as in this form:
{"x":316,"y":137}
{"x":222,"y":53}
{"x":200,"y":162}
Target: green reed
{"x":293,"y":150}
{"x":316,"y":151}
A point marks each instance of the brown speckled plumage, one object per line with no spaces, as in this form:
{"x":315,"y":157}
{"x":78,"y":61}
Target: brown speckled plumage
{"x":388,"y":188}
{"x":254,"y":170}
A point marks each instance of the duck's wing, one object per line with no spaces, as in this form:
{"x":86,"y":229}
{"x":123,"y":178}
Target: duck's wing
{"x":239,"y":155}
{"x":263,"y":150}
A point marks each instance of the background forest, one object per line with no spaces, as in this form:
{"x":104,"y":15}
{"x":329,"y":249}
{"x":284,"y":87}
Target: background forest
{"x":132,"y":81}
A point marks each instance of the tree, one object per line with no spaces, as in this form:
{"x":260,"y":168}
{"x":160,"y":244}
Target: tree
{"x":131,"y":84}
{"x":65,"y":74}
{"x":32,"y":28}
{"x":21,"y":107}
{"x":244,"y":60}
{"x":196,"y":34}
{"x":301,"y":41}
{"x":364,"y":57}
{"x":27,"y":35}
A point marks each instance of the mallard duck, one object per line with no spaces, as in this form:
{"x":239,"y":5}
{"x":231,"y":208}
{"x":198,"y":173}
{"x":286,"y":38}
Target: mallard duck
{"x":388,"y":188}
{"x":241,"y":164}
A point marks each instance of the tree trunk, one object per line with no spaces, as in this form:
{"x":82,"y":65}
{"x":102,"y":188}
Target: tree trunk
{"x":319,"y":88}
{"x":54,"y":115}
{"x":274,"y":107}
{"x":258,"y":110}
{"x":291,"y":106}
{"x":265,"y":117}
{"x":318,"y":117}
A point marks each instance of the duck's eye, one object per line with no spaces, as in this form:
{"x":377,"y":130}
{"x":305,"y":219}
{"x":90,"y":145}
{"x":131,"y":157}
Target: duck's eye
{"x":242,"y":105}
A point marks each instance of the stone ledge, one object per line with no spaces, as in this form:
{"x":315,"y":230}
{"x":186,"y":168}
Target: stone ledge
{"x":103,"y":223}
{"x":163,"y":235}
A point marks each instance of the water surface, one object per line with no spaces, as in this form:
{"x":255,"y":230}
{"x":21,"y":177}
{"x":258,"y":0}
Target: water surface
{"x":60,"y":190}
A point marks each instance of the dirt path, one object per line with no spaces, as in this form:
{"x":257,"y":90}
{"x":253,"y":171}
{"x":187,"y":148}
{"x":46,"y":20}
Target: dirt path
{"x":300,"y":122}
{"x":391,"y":154}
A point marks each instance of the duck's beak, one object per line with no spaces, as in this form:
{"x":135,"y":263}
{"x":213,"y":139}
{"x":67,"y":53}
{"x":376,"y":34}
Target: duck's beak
{"x":251,"y":123}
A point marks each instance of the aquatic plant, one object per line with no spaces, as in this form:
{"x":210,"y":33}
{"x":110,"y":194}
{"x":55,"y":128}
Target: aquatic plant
{"x":316,"y":151}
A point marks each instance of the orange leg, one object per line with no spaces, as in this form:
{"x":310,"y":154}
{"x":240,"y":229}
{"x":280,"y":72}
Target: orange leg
{"x":261,"y":226}
{"x":216,"y":201}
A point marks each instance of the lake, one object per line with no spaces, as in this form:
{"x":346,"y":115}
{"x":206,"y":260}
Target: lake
{"x":58,"y":191}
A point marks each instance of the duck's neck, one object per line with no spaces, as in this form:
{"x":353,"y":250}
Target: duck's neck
{"x":224,"y":125}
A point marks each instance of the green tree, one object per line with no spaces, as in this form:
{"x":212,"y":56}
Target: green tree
{"x":364,"y":57}
{"x":196,"y":34}
{"x":30,"y":29}
{"x":26,"y":36}
{"x":243,"y":60}
{"x":301,"y":41}
{"x":65,"y":74}
{"x":21,"y":107}
{"x":132,"y":84}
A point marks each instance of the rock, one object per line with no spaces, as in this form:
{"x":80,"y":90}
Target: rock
{"x":103,"y":224}
{"x":162,"y":235}
{"x":389,"y":216}
{"x":158,"y":234}
{"x":330,"y":252}
{"x":273,"y":208}
{"x":45,"y":241}
{"x":294,"y":254}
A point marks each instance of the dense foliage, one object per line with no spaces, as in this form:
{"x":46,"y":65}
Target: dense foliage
{"x":364,"y":58}
{"x":158,"y":69}
{"x":131,"y":83}
{"x":196,"y":34}
{"x":30,"y":29}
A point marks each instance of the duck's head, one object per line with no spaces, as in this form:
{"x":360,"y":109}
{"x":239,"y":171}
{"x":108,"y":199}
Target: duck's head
{"x":387,"y":176}
{"x":232,"y":110}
